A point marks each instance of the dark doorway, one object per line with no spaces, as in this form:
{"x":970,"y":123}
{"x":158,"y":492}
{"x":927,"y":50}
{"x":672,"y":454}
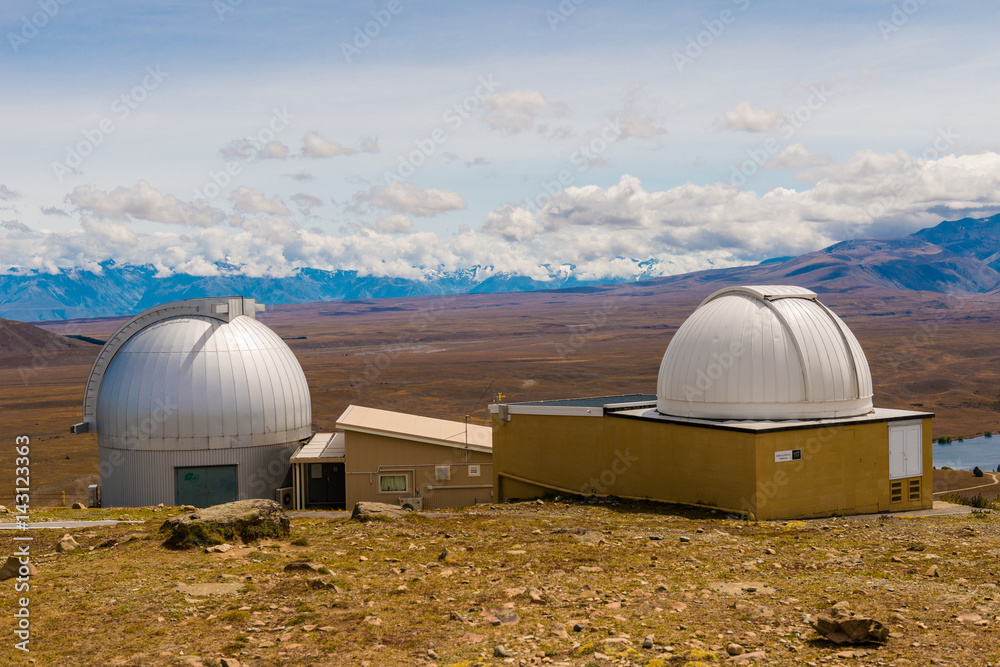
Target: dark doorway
{"x":204,"y":486}
{"x":326,"y":485}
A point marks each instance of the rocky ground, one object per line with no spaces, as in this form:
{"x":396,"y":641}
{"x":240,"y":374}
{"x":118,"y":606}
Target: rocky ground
{"x":549,"y":583}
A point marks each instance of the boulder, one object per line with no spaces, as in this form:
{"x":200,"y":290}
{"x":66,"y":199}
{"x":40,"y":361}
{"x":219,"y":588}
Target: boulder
{"x":366,"y":511}
{"x":248,"y":520}
{"x":79,"y":506}
{"x":12,"y":568}
{"x":67,"y":543}
{"x":844,"y":627}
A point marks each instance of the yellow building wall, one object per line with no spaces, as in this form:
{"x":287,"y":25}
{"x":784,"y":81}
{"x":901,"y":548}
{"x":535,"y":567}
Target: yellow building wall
{"x":843,"y":469}
{"x":367,"y":456}
{"x":534,"y":454}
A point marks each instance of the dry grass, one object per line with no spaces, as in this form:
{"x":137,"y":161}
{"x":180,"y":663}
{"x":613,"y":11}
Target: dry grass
{"x":388,"y":599}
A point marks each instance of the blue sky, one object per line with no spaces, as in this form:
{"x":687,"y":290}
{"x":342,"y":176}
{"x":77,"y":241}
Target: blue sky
{"x":535,"y":138}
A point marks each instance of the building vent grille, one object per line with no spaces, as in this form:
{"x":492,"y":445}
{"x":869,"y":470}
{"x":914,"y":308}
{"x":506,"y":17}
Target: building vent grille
{"x":896,"y":491}
{"x":915,"y":489}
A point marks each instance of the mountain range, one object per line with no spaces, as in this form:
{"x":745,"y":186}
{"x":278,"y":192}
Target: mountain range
{"x":954,"y":257}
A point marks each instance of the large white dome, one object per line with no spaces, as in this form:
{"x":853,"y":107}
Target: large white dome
{"x":195,"y":382}
{"x":765,"y":352}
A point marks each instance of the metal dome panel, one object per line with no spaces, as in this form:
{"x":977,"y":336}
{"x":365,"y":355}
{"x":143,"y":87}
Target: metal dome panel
{"x":197,"y":382}
{"x":764,"y":352}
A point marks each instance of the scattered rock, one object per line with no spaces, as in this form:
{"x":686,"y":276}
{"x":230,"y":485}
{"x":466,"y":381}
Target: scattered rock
{"x":734,"y":649}
{"x":842,"y":627}
{"x":896,"y":559}
{"x":373,"y":620}
{"x":79,"y":506}
{"x":230,"y":662}
{"x":248,"y":520}
{"x":685,"y":539}
{"x":647,"y":642}
{"x":12,"y":568}
{"x":501,"y":652}
{"x":366,"y":511}
{"x":748,"y":657}
{"x":4,"y":510}
{"x":302,"y":565}
{"x":932,"y":571}
{"x":67,"y":543}
{"x":106,"y":544}
{"x":559,"y":630}
{"x":535,"y":596}
{"x":590,"y":537}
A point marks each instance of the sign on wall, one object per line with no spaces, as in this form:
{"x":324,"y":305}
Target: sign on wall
{"x":787,"y":455}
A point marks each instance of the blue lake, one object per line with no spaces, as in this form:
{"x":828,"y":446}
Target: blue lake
{"x":967,"y":454}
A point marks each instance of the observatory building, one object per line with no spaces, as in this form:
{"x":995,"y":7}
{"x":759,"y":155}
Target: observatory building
{"x":763,"y":406}
{"x":195,"y":402}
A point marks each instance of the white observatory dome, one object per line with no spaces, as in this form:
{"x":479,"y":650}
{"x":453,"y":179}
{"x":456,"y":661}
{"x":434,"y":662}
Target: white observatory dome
{"x":195,"y":402}
{"x":195,"y":382}
{"x":765,"y":352}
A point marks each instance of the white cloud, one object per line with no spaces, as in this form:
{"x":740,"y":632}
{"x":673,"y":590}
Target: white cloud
{"x":306,"y":203}
{"x":370,"y":145}
{"x":514,"y":111}
{"x":6,"y":194}
{"x":113,"y":232}
{"x":638,"y":117}
{"x":796,"y":156}
{"x":313,"y":145}
{"x":394,"y":224}
{"x":274,"y":150}
{"x":511,"y":223}
{"x":251,"y":201}
{"x":745,"y":116}
{"x":408,"y":199}
{"x":143,"y":202}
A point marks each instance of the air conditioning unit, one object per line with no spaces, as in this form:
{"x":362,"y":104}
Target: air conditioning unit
{"x":411,"y":503}
{"x":285,"y":497}
{"x":93,"y":495}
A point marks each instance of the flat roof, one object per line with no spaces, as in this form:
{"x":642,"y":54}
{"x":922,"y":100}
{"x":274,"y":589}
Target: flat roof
{"x":322,"y":446}
{"x":414,"y":427}
{"x":593,"y":401}
{"x":763,"y":426}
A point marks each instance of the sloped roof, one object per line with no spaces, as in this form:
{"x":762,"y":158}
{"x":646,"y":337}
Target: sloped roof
{"x":321,"y":446}
{"x":414,"y":427}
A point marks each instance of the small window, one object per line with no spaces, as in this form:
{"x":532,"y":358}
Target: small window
{"x":316,"y":470}
{"x":442,"y":473}
{"x":473,"y":471}
{"x":392,"y":484}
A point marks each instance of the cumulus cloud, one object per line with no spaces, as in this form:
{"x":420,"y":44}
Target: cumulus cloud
{"x":15,"y":225}
{"x":623,"y":230}
{"x":315,"y":146}
{"x":394,"y":224}
{"x":748,"y":118}
{"x":245,"y":149}
{"x":143,"y":202}
{"x":53,"y":210}
{"x":370,"y":145}
{"x":306,"y":203}
{"x":408,"y":199}
{"x":301,"y":176}
{"x":251,"y":201}
{"x":515,"y":110}
{"x":797,"y":156}
{"x":6,"y":194}
{"x":114,"y":233}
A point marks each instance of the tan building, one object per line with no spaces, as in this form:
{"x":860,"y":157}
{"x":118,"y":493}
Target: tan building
{"x":396,"y":458}
{"x":763,"y":406}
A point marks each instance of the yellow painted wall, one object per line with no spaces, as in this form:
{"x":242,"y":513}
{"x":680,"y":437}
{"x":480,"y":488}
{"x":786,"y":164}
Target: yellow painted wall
{"x":369,"y":455}
{"x":844,"y":469}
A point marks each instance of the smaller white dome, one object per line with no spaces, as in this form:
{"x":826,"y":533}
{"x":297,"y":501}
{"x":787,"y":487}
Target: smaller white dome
{"x":764,"y":352}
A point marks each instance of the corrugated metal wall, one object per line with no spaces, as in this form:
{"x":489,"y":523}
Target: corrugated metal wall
{"x":139,"y":478}
{"x":368,"y":455}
